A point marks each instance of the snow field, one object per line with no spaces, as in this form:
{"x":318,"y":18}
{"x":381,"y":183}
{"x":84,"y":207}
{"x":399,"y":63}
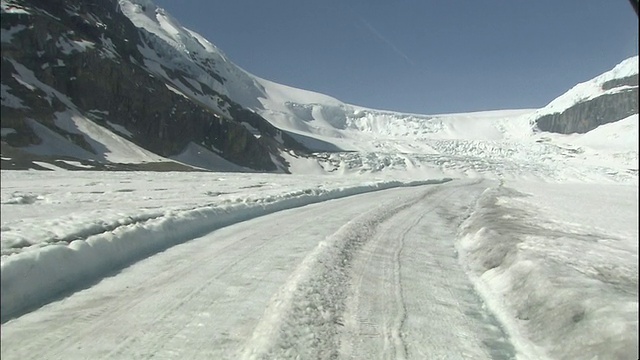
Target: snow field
{"x":558,"y":265}
{"x":43,"y":208}
{"x":34,"y":275}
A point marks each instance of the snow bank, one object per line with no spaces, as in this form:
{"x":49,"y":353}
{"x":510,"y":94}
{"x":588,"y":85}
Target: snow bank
{"x":558,"y":265}
{"x":619,"y":136}
{"x":32,"y":278}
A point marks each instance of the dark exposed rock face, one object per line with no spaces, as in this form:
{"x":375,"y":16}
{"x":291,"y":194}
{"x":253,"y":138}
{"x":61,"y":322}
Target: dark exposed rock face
{"x":588,"y":115}
{"x":107,"y":81}
{"x":625,"y":81}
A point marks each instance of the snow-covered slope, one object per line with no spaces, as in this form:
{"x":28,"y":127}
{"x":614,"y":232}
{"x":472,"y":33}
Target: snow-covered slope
{"x":169,"y":47}
{"x":353,"y":127}
{"x":495,"y":143}
{"x":607,"y":98}
{"x":591,"y":89}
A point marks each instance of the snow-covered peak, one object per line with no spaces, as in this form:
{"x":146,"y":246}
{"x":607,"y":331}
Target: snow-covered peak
{"x":590,"y":89}
{"x":626,"y":68}
{"x":170,"y":46}
{"x":145,"y":14}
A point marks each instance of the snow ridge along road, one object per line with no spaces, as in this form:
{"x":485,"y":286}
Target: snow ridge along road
{"x":291,"y":284}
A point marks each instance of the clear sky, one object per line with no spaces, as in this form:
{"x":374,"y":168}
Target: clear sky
{"x":420,"y":56}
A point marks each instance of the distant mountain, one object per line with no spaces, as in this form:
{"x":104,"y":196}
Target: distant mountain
{"x":604,"y":99}
{"x":108,"y":84}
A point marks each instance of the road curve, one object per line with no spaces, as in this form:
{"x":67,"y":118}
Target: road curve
{"x":368,"y":276}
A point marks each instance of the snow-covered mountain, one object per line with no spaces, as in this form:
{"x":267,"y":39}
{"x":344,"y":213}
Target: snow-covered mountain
{"x":93,"y":81}
{"x":124,"y":82}
{"x":607,"y":98}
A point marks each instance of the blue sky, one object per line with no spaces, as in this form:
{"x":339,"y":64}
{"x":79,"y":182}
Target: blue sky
{"x":420,"y":56}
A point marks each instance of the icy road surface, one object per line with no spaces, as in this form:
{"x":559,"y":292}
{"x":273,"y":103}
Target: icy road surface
{"x":372,"y":275}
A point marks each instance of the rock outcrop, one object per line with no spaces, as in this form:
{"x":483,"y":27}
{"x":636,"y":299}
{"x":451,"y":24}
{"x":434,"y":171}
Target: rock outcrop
{"x":588,"y":115}
{"x":607,"y":98}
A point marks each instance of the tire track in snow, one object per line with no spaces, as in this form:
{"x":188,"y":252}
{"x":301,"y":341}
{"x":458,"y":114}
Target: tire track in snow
{"x":96,"y":318}
{"x":396,"y":327}
{"x":127,"y":347}
{"x":375,"y":321}
{"x":302,"y":319}
{"x":409,"y":298}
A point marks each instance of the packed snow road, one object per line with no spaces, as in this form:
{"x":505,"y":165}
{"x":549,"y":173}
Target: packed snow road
{"x":368,"y":276}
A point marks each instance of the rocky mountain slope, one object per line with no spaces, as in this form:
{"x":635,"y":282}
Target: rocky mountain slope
{"x":607,"y":98}
{"x":77,"y":82}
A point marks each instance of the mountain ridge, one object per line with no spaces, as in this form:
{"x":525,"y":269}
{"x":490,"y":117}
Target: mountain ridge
{"x":78,"y":67}
{"x":172,"y":93}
